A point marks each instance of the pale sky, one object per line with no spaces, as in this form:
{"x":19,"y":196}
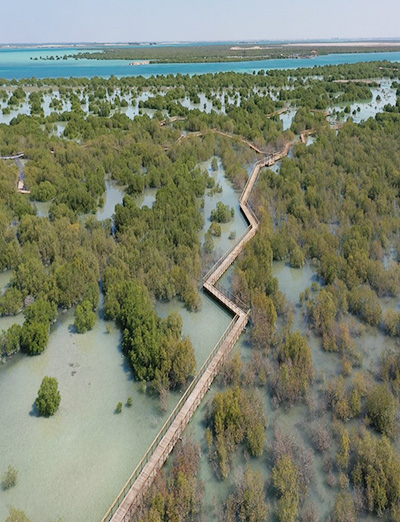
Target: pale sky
{"x":37,"y":21}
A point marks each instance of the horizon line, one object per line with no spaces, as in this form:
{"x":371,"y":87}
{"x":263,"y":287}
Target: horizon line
{"x":239,"y":40}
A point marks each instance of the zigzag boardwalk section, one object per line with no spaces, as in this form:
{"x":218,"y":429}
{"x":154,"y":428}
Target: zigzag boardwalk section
{"x":141,"y":479}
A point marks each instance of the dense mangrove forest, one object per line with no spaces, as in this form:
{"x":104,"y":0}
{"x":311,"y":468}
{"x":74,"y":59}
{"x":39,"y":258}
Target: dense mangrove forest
{"x":233,"y":52}
{"x":303,"y":421}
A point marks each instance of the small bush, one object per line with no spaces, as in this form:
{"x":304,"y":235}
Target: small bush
{"x":10,"y":478}
{"x":49,"y":398}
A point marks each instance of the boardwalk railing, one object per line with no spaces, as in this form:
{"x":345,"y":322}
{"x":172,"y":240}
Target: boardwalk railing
{"x":108,"y":516}
{"x":218,"y":263}
{"x":248,"y":180}
{"x":232,"y":297}
{"x":18,"y":155}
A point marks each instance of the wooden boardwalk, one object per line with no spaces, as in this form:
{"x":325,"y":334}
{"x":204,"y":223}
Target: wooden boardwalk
{"x":172,"y":120}
{"x":18,"y":155}
{"x":141,"y":479}
{"x":21,"y":188}
{"x":197,"y":134}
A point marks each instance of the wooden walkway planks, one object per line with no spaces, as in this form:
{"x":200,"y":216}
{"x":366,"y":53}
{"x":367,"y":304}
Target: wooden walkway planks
{"x":18,"y":155}
{"x":141,"y":479}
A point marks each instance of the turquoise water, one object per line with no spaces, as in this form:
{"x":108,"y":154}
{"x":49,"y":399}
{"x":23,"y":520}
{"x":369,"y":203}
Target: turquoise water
{"x":17,"y":64}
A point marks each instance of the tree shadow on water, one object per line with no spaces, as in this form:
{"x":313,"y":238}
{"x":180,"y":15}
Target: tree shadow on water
{"x":72,"y":329}
{"x":34,"y":411}
{"x":125,"y":363}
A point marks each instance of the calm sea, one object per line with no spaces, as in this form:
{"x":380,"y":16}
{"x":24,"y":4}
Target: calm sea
{"x":19,"y":63}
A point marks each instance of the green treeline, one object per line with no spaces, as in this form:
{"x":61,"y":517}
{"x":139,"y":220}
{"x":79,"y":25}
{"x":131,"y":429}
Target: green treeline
{"x":219,"y":53}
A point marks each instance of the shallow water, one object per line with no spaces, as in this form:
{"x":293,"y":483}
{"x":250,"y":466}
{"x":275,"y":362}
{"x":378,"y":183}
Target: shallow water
{"x":228,"y":196}
{"x":361,"y":111}
{"x":4,"y":280}
{"x":293,"y":281}
{"x":42,"y":208}
{"x":76,"y":484}
{"x":114,"y":195}
{"x":287,"y":118}
{"x":211,"y":314}
{"x":147,"y":198}
{"x":85,"y":447}
{"x":297,"y":419}
{"x":85,"y":453}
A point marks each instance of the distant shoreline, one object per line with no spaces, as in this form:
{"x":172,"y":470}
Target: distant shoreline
{"x":395,"y":42}
{"x":379,"y":43}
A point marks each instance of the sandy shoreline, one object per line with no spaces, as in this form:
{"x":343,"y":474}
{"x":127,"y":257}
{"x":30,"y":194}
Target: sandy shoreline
{"x":343,"y":44}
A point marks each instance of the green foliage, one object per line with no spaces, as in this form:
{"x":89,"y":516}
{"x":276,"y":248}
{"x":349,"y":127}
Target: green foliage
{"x":334,"y":205}
{"x":254,"y":271}
{"x":247,"y":503}
{"x":44,"y":191}
{"x":85,"y":317}
{"x":10,"y":478}
{"x":215,"y":229}
{"x":223,"y":53}
{"x":34,"y":337}
{"x":364,"y":303}
{"x":376,"y":470}
{"x":17,"y":515}
{"x":264,"y":319}
{"x":381,"y":409}
{"x":11,"y":339}
{"x":155,"y":348}
{"x":118,"y":408}
{"x":49,"y":398}
{"x":11,"y":302}
{"x":236,"y":416}
{"x":324,"y":311}
{"x":178,"y":496}
{"x":208,"y":245}
{"x":296,"y":257}
{"x":222,"y":213}
{"x":284,"y":476}
{"x":344,"y":509}
{"x":344,"y":401}
{"x":296,"y":370}
{"x":41,"y":311}
{"x":390,"y":369}
{"x":136,"y":186}
{"x":391,"y":321}
{"x":343,"y":455}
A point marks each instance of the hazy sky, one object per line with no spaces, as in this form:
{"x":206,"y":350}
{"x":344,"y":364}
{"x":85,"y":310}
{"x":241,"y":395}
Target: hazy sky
{"x":171,"y":20}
